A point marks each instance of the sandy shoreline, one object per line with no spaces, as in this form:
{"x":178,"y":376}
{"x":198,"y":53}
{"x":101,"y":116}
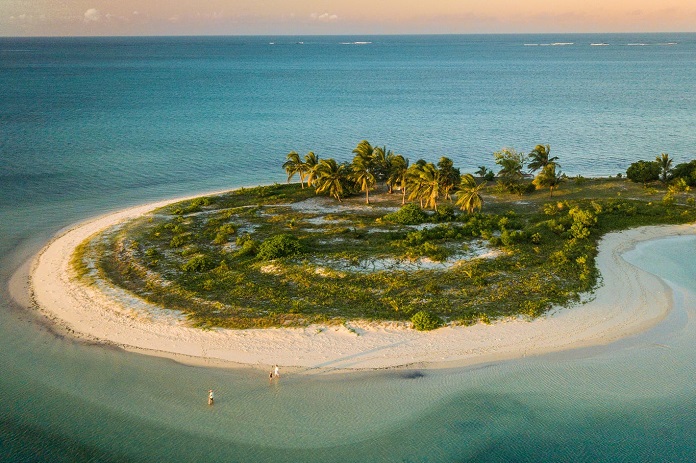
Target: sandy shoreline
{"x":629,"y":301}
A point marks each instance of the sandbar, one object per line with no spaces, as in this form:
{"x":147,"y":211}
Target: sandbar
{"x":628,"y":301}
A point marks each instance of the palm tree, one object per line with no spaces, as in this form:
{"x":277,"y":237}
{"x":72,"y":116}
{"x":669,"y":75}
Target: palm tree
{"x":311,"y":163}
{"x":332,"y":178}
{"x":469,"y":194}
{"x":397,"y":175}
{"x":449,"y":176}
{"x":414,"y":182}
{"x":294,"y":165}
{"x":539,"y":158}
{"x":361,"y":174}
{"x":665,"y":163}
{"x":381,"y":163}
{"x":364,"y":151}
{"x":425,"y":184}
{"x":548,"y":177}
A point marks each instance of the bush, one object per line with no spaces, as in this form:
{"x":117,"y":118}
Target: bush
{"x":223,"y":233}
{"x":180,"y":240}
{"x":198,"y":263}
{"x":425,"y":321}
{"x":434,"y":252}
{"x":508,"y":238}
{"x":247,"y":245}
{"x":583,"y":221}
{"x":643,"y":171}
{"x":283,"y":245}
{"x":686,"y":171}
{"x":410,"y":214}
{"x":445,"y":213}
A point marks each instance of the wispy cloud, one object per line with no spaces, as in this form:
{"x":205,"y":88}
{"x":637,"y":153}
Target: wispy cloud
{"x":325,"y":17}
{"x":92,"y":15}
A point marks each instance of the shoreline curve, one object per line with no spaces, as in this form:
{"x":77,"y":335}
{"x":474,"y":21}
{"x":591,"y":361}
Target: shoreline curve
{"x":629,"y":301}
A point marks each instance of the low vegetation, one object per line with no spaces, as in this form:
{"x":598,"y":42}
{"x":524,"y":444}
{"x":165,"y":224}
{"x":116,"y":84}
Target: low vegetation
{"x":280,"y":255}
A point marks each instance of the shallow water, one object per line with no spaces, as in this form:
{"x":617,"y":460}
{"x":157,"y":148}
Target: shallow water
{"x":78,"y":145}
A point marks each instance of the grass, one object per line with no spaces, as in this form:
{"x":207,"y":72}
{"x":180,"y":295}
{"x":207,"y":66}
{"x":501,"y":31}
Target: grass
{"x":201,"y":256}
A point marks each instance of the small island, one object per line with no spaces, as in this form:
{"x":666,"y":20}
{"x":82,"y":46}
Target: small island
{"x":383,"y":240}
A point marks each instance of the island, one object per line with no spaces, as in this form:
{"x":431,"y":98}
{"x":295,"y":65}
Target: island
{"x":371,"y":270}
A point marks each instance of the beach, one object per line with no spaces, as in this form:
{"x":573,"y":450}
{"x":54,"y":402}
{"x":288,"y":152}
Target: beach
{"x":628,"y":301}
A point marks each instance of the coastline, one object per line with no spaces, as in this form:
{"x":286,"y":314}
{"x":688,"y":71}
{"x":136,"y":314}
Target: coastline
{"x":629,"y":301}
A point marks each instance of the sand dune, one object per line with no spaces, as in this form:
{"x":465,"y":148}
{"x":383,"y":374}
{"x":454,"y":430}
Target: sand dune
{"x":629,"y":301}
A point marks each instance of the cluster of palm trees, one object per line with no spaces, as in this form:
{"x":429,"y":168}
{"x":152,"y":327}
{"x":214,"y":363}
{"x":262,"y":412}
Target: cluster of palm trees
{"x":422,"y":181}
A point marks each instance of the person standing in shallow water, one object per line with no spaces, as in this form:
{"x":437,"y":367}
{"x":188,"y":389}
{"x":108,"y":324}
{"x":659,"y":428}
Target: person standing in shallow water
{"x":211,"y":399}
{"x":275,"y":373}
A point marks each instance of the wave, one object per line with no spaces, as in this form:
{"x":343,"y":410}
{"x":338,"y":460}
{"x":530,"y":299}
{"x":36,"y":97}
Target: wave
{"x":599,"y":44}
{"x":554,"y":44}
{"x":355,"y":43}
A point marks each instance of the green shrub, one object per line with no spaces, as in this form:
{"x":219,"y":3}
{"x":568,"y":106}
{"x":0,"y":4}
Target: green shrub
{"x":445,"y":213}
{"x":283,"y":245}
{"x":583,"y":221}
{"x":425,"y":321}
{"x":241,"y":240}
{"x":686,"y":171}
{"x":522,"y":188}
{"x":180,"y":240}
{"x":247,"y":245}
{"x":198,"y":263}
{"x":643,"y":171}
{"x":223,"y":233}
{"x":509,"y":238}
{"x":410,"y":214}
{"x":434,"y":252}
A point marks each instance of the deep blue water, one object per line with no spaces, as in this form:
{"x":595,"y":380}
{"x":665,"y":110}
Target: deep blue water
{"x":91,"y":125}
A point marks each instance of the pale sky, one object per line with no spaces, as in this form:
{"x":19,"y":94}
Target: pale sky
{"x":241,"y":17}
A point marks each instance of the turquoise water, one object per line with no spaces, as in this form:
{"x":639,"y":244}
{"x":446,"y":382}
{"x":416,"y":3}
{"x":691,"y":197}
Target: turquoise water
{"x":92,"y":125}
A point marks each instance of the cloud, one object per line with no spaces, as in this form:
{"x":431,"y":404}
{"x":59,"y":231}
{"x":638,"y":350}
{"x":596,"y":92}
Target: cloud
{"x":325,"y":17}
{"x":92,"y":15}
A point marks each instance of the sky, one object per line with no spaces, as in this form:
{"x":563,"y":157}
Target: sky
{"x":301,"y":17}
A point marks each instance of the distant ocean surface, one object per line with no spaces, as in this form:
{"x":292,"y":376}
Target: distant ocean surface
{"x":133,"y":113}
{"x":89,"y":125}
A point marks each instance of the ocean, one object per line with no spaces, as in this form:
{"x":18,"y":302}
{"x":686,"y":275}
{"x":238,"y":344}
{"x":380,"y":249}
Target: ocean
{"x":91,"y":125}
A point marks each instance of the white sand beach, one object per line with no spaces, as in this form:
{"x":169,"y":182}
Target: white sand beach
{"x":629,"y":301}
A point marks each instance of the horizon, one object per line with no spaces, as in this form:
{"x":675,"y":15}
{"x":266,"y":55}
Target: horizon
{"x":473,"y":34}
{"x":132,"y":18}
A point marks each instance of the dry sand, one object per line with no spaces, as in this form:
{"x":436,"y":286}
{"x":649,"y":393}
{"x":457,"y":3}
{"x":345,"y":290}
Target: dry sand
{"x":629,"y":301}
